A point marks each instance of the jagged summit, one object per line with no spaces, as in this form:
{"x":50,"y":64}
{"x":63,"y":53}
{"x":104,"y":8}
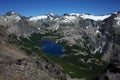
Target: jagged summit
{"x":52,"y":21}
{"x":11,"y":13}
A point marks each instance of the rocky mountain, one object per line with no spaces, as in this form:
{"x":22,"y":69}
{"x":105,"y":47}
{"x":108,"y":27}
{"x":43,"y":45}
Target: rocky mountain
{"x":110,"y":29}
{"x":17,"y":24}
{"x":16,"y":65}
{"x":92,"y":34}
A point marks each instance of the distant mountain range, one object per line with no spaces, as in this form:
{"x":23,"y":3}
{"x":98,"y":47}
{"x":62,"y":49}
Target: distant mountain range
{"x":48,"y":21}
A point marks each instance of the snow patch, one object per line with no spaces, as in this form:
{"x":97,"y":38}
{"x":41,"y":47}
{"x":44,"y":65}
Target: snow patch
{"x":38,"y":18}
{"x":39,"y":29}
{"x":96,"y":18}
{"x":56,"y":19}
{"x":56,"y":27}
{"x":52,"y":14}
{"x":68,"y":19}
{"x":114,"y":12}
{"x":14,"y":17}
{"x":12,"y":12}
{"x":75,"y":14}
{"x":98,"y":32}
{"x":118,"y":20}
{"x":18,"y":18}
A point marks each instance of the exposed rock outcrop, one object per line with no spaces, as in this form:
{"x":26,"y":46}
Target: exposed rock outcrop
{"x":111,"y":29}
{"x":31,"y":68}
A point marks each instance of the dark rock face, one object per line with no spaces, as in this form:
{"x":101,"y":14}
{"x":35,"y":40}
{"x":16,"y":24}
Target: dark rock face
{"x":112,"y":32}
{"x":113,"y":68}
{"x":112,"y":72}
{"x":11,"y":13}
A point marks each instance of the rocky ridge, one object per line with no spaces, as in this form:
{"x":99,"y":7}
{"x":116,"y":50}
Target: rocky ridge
{"x":30,"y":68}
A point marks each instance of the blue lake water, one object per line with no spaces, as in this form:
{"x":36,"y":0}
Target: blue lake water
{"x":50,"y":47}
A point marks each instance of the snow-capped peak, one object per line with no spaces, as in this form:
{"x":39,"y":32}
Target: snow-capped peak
{"x":93,"y":17}
{"x":13,"y":16}
{"x":11,"y":13}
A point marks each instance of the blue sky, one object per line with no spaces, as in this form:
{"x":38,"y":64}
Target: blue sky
{"x":37,"y":7}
